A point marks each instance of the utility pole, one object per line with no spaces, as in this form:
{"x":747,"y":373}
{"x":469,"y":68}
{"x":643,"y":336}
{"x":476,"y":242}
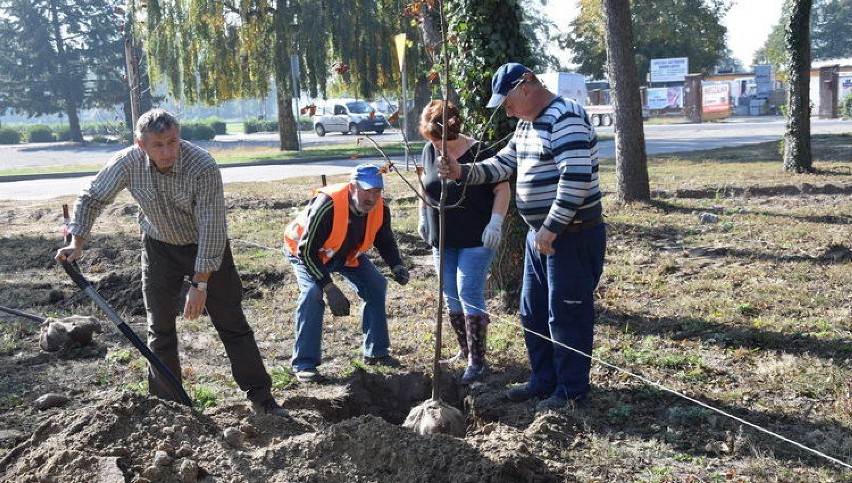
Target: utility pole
{"x":133,"y":58}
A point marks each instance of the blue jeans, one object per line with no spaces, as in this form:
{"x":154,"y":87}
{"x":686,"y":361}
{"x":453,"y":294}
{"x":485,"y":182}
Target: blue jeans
{"x":465,"y":270}
{"x":371,"y":287}
{"x":557,"y":300}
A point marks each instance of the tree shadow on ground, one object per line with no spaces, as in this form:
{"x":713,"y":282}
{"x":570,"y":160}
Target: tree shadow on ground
{"x":665,"y":237}
{"x":837,"y":350}
{"x":671,"y":207}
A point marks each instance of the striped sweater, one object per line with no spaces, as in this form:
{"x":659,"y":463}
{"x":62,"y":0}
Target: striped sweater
{"x":556,"y":159}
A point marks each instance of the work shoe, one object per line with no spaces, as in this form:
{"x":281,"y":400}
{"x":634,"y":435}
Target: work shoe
{"x":474,"y":373}
{"x":523,"y":393}
{"x":387,"y":361}
{"x":309,"y":375}
{"x":270,"y":407}
{"x":559,"y":401}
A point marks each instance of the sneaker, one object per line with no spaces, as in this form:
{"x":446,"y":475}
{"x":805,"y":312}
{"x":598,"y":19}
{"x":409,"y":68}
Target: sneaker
{"x":388,"y":361}
{"x":270,"y":407}
{"x":523,"y":393}
{"x":474,"y":373}
{"x":309,"y":375}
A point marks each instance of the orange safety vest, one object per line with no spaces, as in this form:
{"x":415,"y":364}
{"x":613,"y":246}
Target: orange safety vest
{"x":340,"y":222}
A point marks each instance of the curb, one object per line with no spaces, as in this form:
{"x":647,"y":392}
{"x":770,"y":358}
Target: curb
{"x":269,"y":162}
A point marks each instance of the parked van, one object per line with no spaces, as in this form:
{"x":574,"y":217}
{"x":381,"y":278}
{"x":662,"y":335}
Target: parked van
{"x":347,"y":116}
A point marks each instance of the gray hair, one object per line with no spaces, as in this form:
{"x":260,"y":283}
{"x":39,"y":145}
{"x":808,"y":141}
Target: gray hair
{"x":155,"y":121}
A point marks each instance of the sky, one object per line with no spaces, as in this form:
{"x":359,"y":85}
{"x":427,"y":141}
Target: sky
{"x":749,"y":23}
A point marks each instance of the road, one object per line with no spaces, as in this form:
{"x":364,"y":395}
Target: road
{"x":659,"y":139}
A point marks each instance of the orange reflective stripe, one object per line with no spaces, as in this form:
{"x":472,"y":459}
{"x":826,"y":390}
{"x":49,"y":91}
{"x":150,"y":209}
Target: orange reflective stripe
{"x":339,"y":195}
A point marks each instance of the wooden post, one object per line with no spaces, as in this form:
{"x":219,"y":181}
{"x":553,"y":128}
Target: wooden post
{"x":692,"y":99}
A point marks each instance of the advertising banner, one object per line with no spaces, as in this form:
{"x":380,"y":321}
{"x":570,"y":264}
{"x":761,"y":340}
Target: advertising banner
{"x":844,"y":85}
{"x":669,"y":70}
{"x":665,"y":98}
{"x":715,"y":97}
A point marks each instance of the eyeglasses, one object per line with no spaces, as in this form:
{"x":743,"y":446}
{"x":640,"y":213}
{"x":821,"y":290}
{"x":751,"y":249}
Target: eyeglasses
{"x":517,"y":83}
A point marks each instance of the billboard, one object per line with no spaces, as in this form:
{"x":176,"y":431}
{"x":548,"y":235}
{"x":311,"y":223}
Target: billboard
{"x":714,"y":97}
{"x":669,"y":70}
{"x":665,"y":97}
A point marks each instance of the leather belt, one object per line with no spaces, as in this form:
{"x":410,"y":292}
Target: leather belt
{"x":583,"y":225}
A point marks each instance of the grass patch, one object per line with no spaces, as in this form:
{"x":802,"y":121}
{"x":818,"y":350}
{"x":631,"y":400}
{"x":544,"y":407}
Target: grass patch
{"x":203,"y":397}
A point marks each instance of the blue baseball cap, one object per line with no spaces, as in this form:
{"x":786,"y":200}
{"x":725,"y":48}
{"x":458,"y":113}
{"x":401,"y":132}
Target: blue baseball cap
{"x":505,"y":79}
{"x":368,"y":176}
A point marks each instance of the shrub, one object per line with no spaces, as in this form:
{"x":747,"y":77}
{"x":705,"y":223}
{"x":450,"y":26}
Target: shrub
{"x":195,"y":131}
{"x":63,"y":133}
{"x":9,"y":136}
{"x":846,"y":106}
{"x":257,"y":125}
{"x":219,"y":126}
{"x":40,"y":134}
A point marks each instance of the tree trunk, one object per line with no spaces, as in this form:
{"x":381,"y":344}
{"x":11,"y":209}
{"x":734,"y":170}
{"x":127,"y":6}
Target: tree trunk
{"x":73,"y":120}
{"x":631,"y":163}
{"x":797,"y":139}
{"x":507,"y":269}
{"x":287,"y":134}
{"x":65,"y":86}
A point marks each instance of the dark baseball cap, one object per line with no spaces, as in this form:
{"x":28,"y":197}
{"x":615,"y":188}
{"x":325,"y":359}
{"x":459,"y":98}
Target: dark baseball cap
{"x":505,"y":79}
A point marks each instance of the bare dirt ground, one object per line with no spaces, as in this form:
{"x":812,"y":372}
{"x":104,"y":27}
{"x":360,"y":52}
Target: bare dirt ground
{"x":708,"y":308}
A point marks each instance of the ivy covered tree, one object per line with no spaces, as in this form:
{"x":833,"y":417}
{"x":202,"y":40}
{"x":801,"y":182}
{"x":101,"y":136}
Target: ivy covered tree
{"x":484,"y":34}
{"x":797,"y":138}
{"x":61,"y":56}
{"x":480,"y":36}
{"x":661,"y":29}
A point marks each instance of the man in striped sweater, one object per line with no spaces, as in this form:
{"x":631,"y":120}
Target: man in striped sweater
{"x":554,"y":152}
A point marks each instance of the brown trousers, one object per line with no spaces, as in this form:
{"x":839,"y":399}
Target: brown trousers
{"x":164,"y":268}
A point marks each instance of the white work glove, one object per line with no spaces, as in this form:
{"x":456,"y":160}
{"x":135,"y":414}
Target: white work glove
{"x":421,"y":224}
{"x":493,"y":231}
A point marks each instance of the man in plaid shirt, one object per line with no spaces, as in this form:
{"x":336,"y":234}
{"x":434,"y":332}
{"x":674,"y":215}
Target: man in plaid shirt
{"x":182,"y":216}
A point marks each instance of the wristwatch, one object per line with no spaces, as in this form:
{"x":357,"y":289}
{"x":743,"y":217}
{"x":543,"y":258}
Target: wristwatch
{"x":200,"y":286}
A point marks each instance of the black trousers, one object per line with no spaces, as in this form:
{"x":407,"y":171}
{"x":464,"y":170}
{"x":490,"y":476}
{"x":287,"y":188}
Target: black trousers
{"x":164,"y":268}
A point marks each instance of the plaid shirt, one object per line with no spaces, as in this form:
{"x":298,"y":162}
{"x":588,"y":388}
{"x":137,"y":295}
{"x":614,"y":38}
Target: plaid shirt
{"x":184,"y":206}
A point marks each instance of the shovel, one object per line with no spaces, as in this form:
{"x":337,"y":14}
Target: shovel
{"x":125,"y":329}
{"x":72,"y":270}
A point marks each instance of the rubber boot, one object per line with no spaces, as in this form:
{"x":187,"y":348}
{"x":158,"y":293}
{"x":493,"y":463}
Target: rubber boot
{"x":477,"y":330}
{"x":457,"y":321}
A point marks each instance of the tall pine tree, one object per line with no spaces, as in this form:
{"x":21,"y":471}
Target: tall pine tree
{"x":60,"y":56}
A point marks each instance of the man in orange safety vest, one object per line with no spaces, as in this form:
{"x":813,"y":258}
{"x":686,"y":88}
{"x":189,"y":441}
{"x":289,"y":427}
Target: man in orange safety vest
{"x":331,"y":235}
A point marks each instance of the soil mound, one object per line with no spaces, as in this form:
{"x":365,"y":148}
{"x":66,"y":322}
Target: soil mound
{"x":132,"y":438}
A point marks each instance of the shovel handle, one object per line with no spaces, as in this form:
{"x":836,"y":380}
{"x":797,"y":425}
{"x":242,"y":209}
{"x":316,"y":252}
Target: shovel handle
{"x":80,"y":280}
{"x":25,"y":315}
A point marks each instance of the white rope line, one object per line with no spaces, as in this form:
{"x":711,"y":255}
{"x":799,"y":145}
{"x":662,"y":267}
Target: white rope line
{"x":664,"y":388}
{"x":631,"y":374}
